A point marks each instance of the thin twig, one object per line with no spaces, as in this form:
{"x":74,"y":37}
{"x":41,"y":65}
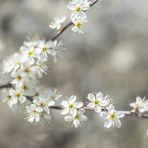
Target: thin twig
{"x":8,"y":85}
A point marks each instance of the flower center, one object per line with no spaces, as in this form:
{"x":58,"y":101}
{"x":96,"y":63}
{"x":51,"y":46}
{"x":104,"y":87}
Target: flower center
{"x":78,"y":9}
{"x":71,"y":106}
{"x":78,"y":25}
{"x":45,"y":49}
{"x":25,"y":87}
{"x":112,"y":116}
{"x":27,"y":70}
{"x":30,"y":53}
{"x":19,"y":78}
{"x":77,"y":117}
{"x":42,"y":104}
{"x":18,"y":95}
{"x":97,"y":102}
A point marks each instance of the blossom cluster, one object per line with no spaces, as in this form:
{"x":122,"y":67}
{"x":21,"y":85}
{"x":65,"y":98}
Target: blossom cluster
{"x":26,"y":66}
{"x":39,"y":110}
{"x":78,"y":16}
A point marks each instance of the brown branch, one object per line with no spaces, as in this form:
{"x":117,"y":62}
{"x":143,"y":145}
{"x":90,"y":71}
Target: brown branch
{"x":136,"y":114}
{"x":8,"y":85}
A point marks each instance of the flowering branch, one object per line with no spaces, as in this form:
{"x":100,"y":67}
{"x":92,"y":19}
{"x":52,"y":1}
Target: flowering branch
{"x":29,"y":64}
{"x":70,"y":24}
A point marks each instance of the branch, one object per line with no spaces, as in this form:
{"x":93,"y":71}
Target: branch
{"x":8,"y":85}
{"x":127,"y":113}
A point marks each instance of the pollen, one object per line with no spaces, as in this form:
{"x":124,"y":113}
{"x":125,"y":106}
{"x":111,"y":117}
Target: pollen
{"x":97,"y":102}
{"x":45,"y":49}
{"x":19,"y":78}
{"x":30,"y":53}
{"x":42,"y":104}
{"x":71,"y":106}
{"x":78,"y":9}
{"x":112,"y":116}
{"x":78,"y":25}
{"x":17,"y":94}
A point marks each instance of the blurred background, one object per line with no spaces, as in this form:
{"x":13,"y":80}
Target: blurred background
{"x":112,"y":57}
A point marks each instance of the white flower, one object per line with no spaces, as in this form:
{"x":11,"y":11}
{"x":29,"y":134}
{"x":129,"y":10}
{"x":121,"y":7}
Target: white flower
{"x":97,"y":101}
{"x":111,"y":117}
{"x":56,"y":49}
{"x":43,"y":102}
{"x":28,"y":88}
{"x":78,"y":23}
{"x":54,"y":95}
{"x":10,"y":100}
{"x":57,"y":23}
{"x":78,"y":6}
{"x":18,"y":78}
{"x":77,"y":118}
{"x":70,"y":105}
{"x":13,"y":63}
{"x":17,"y":95}
{"x":43,"y":50}
{"x":33,"y":113}
{"x":40,"y":68}
{"x":27,"y":70}
{"x":140,"y":105}
{"x":28,"y":50}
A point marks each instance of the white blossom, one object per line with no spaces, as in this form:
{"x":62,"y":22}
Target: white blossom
{"x":97,"y":101}
{"x":140,"y":105}
{"x":18,"y":78}
{"x":28,"y":88}
{"x":78,"y":6}
{"x":54,"y":95}
{"x":28,"y":50}
{"x":13,"y":63}
{"x":56,"y":49}
{"x":17,"y":96}
{"x":70,"y":105}
{"x":43,"y":102}
{"x":33,"y":113}
{"x":79,"y":23}
{"x":77,"y":118}
{"x":43,"y":49}
{"x":57,"y":23}
{"x":112,"y":117}
{"x":40,"y":68}
{"x":9,"y":99}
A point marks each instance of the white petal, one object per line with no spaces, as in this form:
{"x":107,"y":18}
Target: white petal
{"x":91,"y":105}
{"x":79,"y":104}
{"x":91,"y":97}
{"x":76,"y":123}
{"x":104,"y":115}
{"x":138,"y":99}
{"x":51,"y":103}
{"x":133,"y":105}
{"x":65,"y":111}
{"x":99,"y":95}
{"x":22,"y":99}
{"x":111,"y":108}
{"x":68,"y":118}
{"x":73,"y":112}
{"x":72,"y":99}
{"x":97,"y":109}
{"x":120,"y":114}
{"x":108,"y":124}
{"x":118,"y":123}
{"x":64,"y":103}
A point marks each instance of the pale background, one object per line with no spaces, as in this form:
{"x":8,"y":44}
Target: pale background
{"x":111,"y":57}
